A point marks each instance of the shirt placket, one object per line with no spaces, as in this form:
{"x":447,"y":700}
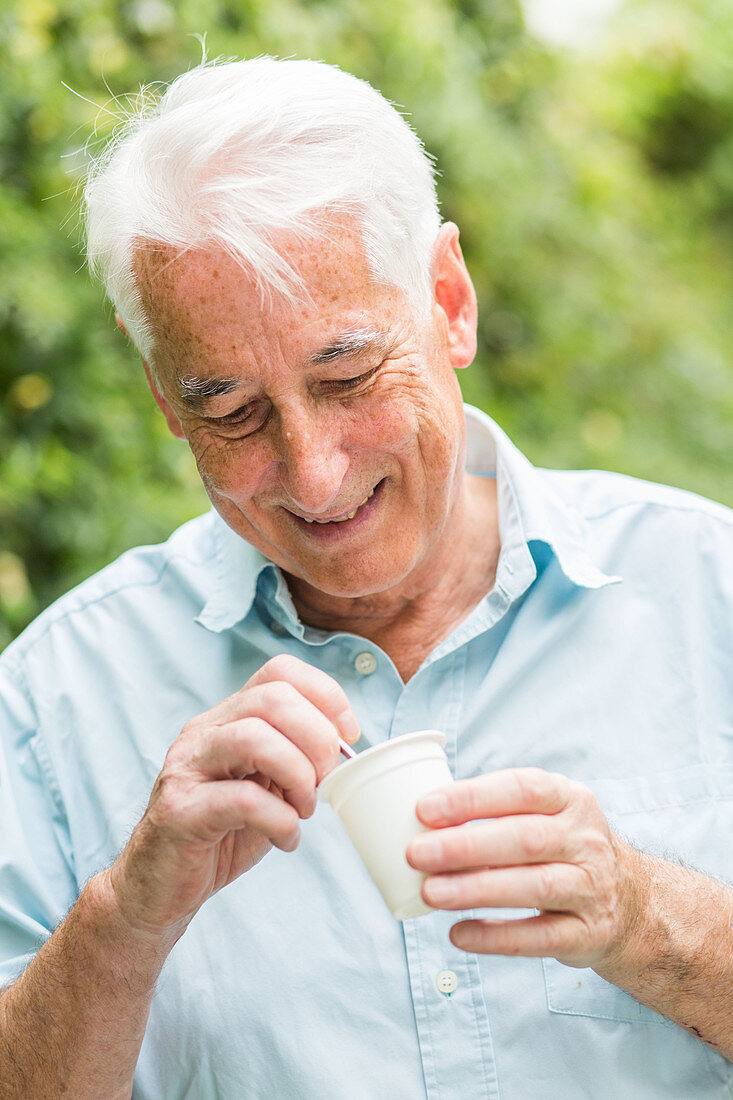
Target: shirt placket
{"x":454,"y":1032}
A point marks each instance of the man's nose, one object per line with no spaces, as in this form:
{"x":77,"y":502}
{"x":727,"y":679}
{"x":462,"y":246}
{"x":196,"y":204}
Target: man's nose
{"x":313,"y":462}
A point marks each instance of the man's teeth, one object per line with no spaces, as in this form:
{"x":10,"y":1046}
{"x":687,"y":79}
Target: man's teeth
{"x":343,"y":518}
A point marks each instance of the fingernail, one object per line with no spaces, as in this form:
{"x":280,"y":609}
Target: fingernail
{"x":425,"y":847}
{"x":434,"y":805}
{"x":439,"y":890}
{"x":292,"y":843}
{"x":460,"y":937}
{"x":310,"y":806}
{"x":347,"y":723}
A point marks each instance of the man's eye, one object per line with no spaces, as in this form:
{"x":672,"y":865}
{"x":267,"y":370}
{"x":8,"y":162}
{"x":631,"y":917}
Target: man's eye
{"x":250,"y":416}
{"x":352,"y":383}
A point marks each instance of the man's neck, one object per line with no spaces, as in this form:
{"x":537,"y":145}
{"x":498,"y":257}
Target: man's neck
{"x":410,"y":621}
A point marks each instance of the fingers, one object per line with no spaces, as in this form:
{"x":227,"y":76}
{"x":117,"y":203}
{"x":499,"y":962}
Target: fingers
{"x":523,"y":838}
{"x":287,"y":710}
{"x":553,"y":886}
{"x":295,"y":717}
{"x":243,"y":748}
{"x":529,"y":838}
{"x":313,"y":684}
{"x":283,"y":710}
{"x":551,"y":935}
{"x":498,"y":794}
{"x":216,"y":808}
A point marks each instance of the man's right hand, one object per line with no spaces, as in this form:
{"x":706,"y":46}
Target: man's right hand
{"x":236,"y":782}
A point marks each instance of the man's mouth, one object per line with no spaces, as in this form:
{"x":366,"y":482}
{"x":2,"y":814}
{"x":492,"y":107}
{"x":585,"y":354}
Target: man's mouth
{"x":350,"y":519}
{"x":341,"y":518}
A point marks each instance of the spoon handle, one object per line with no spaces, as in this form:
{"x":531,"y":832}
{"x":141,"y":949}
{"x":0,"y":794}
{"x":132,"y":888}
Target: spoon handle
{"x":347,"y":750}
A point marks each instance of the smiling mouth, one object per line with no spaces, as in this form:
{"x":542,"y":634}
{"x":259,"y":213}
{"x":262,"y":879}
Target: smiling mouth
{"x":333,"y":521}
{"x":341,"y":519}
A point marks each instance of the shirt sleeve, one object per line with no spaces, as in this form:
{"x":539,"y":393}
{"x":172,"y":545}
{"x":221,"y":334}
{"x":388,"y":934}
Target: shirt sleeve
{"x":37,"y":882}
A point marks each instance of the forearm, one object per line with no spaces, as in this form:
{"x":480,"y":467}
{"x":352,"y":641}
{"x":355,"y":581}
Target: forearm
{"x":678,"y":956}
{"x":73,"y":1024}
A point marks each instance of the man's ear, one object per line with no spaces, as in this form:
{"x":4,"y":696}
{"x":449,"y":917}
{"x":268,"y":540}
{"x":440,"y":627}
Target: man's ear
{"x":454,"y":294}
{"x":172,"y":420}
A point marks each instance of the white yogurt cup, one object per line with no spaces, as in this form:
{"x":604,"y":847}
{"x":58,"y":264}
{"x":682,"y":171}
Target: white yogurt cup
{"x":375,"y":795}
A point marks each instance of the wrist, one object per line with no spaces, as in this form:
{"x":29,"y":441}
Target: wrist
{"x":659,"y":942}
{"x":635,"y":919}
{"x":111,"y":922}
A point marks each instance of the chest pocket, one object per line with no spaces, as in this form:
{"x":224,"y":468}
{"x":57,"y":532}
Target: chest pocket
{"x":683,"y":815}
{"x":582,"y":993}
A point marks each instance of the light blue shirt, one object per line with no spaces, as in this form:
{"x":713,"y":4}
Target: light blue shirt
{"x":295,"y":981}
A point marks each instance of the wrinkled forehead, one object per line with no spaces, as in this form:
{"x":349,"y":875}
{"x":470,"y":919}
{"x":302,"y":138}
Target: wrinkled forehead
{"x":203,"y":301}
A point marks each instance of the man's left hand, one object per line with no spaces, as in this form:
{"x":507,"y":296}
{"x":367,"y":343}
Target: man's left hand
{"x":536,"y":840}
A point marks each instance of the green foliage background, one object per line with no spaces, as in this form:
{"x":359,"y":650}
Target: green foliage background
{"x":594,"y":194}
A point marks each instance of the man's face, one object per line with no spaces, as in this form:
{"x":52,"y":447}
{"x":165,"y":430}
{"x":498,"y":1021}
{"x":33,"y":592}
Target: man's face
{"x":328,"y":435}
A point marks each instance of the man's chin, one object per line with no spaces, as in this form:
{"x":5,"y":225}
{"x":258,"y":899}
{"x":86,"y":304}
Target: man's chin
{"x":353,"y":584}
{"x":344,"y":588}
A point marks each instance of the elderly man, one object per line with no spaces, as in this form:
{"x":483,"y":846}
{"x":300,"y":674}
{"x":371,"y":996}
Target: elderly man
{"x":378,"y":559}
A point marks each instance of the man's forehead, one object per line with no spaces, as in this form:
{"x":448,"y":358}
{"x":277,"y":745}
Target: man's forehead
{"x":156,"y":264}
{"x":326,"y":250}
{"x":165,"y":274}
{"x":210,"y":327}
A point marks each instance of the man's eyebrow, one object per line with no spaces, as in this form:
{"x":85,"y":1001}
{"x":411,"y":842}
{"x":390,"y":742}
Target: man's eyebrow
{"x":350,"y":344}
{"x":196,"y":391}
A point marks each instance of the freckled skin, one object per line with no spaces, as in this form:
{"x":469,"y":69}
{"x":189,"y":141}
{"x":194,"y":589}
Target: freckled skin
{"x":429,"y":550}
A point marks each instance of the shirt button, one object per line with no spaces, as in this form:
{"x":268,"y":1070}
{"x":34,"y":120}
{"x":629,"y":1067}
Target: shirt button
{"x":365,"y":663}
{"x":447,"y":981}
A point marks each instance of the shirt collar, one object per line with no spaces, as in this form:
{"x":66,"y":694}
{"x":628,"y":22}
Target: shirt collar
{"x":529,"y":506}
{"x":236,"y":570}
{"x":529,"y":509}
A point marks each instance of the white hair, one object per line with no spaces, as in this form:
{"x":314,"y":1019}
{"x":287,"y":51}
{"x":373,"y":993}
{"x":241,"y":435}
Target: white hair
{"x":235,"y":154}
